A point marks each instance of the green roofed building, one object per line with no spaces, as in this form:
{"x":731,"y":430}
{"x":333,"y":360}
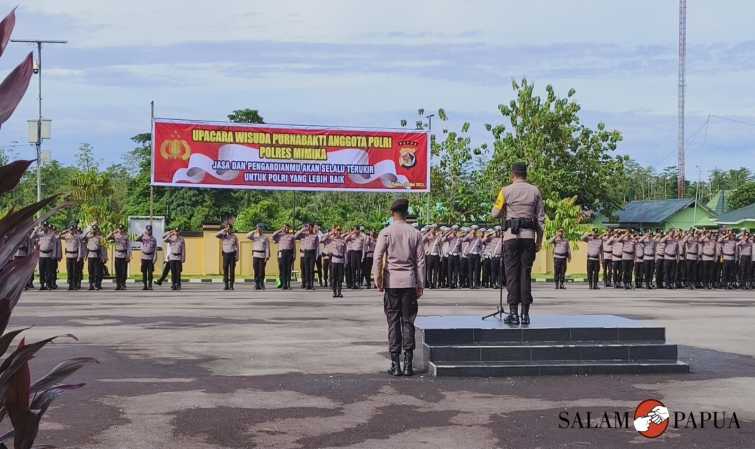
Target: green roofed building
{"x":739,"y":218}
{"x":666,"y":214}
{"x":719,"y":203}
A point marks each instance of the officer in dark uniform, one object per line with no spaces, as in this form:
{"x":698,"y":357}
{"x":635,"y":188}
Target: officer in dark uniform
{"x":521,"y":204}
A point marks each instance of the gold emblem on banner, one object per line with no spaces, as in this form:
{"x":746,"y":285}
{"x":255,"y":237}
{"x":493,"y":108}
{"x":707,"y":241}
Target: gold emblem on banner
{"x":175,"y":149}
{"x":407,"y":154}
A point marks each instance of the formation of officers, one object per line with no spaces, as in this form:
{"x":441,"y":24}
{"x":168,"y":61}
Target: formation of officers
{"x":456,"y":257}
{"x":463,"y":257}
{"x":330,"y":257}
{"x":674,"y":259}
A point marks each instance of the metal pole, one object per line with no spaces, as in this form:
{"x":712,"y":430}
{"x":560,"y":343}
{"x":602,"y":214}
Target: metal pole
{"x":39,"y":43}
{"x":39,"y":124}
{"x":151,"y":187}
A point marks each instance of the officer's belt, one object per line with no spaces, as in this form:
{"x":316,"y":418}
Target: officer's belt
{"x":629,"y":252}
{"x":71,"y":252}
{"x":148,"y":254}
{"x":727,"y":254}
{"x":561,"y":254}
{"x":593,"y":257}
{"x":45,"y":252}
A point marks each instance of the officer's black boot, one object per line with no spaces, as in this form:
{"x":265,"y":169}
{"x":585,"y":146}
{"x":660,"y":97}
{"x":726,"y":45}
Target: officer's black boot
{"x":395,"y":365}
{"x":525,"y":314}
{"x":408,"y":368}
{"x":513,"y":316}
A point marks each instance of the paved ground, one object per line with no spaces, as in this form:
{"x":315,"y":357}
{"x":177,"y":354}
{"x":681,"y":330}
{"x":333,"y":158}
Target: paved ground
{"x":204,"y":368}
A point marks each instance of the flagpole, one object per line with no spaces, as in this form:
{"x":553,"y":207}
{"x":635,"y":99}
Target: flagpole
{"x":151,"y":187}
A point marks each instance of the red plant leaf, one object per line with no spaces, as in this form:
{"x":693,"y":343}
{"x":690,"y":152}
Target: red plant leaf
{"x":13,"y":88}
{"x":17,"y":393}
{"x":6,"y":29}
{"x":11,"y":174}
{"x":7,"y":338}
{"x":60,"y":372}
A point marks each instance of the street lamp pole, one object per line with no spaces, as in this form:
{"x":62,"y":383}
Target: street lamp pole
{"x":38,"y":43}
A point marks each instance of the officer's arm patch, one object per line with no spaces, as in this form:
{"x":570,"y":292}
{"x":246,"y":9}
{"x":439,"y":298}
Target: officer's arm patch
{"x":500,"y":202}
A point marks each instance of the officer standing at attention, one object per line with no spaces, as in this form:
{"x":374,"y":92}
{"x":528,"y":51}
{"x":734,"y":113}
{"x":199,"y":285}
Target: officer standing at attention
{"x":368,"y":255}
{"x":45,"y":238}
{"x":521,"y":204}
{"x":354,"y":251}
{"x":310,"y":242}
{"x":561,"y":256}
{"x":454,"y":249}
{"x":401,"y":276}
{"x":149,"y":255}
{"x":230,"y":246}
{"x":335,"y":245}
{"x":176,"y":256}
{"x":122,"y":251}
{"x":72,"y":236}
{"x":286,"y":246}
{"x":607,"y":258}
{"x":260,"y":255}
{"x":594,"y":258}
{"x":94,"y":246}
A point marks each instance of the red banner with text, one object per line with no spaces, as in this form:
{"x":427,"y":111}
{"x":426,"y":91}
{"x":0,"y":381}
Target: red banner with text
{"x":241,"y":156}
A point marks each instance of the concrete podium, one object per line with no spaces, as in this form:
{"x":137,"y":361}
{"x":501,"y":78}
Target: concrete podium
{"x":464,"y":345}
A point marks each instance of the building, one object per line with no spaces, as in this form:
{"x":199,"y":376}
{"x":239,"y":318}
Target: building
{"x":666,"y":214}
{"x":743,"y":218}
{"x":719,"y":203}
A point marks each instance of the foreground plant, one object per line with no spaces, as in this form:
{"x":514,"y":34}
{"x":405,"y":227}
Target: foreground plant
{"x":22,"y":401}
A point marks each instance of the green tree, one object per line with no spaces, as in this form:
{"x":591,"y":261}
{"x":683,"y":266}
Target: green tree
{"x":565,"y":157}
{"x":246,"y":116}
{"x":565,"y":214}
{"x":743,"y":196}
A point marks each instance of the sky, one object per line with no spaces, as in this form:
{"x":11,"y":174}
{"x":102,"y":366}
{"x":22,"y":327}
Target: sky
{"x":366,"y":63}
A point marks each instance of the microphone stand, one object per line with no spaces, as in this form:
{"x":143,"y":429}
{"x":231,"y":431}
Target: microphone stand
{"x":500,"y":312}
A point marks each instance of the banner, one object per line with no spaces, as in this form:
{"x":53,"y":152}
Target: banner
{"x":241,"y":156}
{"x":137,"y":225}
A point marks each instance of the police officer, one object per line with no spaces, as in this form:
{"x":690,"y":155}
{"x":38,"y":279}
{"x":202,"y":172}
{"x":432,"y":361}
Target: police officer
{"x":729,"y":251}
{"x":368,"y":257}
{"x":432,"y":241}
{"x":74,"y":253}
{"x":691,"y":245}
{"x":454,"y":250}
{"x":335,"y":245}
{"x":401,"y":277}
{"x":744,"y":253}
{"x":94,"y":242}
{"x":45,"y":238}
{"x":607,"y":258}
{"x":627,"y":258}
{"x":670,"y":256}
{"x":260,"y":255}
{"x":354,"y":251}
{"x":286,"y":246}
{"x":594,"y":258}
{"x":230,"y":247}
{"x":496,"y":261}
{"x":561,"y":256}
{"x":122,"y":252}
{"x":176,"y":256}
{"x":24,"y":250}
{"x":648,"y":259}
{"x":310,"y":242}
{"x":149,"y":256}
{"x":521,"y":204}
{"x":616,"y":257}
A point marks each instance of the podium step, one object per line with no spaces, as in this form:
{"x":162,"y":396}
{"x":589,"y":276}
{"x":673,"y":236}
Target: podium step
{"x":563,"y":352}
{"x":548,"y":368}
{"x":552,"y":344}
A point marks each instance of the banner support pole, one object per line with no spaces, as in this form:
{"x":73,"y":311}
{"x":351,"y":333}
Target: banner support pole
{"x":151,"y":187}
